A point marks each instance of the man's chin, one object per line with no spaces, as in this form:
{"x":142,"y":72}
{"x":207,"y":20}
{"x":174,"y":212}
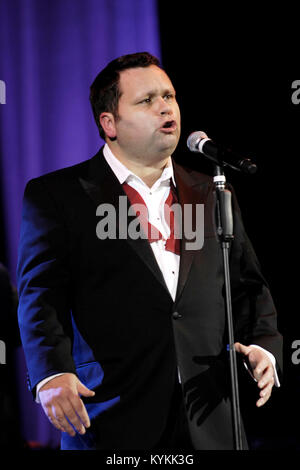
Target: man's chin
{"x":169,"y":145}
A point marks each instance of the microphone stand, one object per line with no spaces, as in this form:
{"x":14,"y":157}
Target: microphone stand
{"x":224,"y":222}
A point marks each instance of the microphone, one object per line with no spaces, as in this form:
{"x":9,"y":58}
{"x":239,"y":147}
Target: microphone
{"x":199,"y":142}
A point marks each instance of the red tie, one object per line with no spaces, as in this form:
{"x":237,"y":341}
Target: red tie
{"x":153,"y":234}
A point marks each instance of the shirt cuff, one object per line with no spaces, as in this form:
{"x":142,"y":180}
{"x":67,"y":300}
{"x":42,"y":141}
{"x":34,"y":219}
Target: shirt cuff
{"x":272,"y":359}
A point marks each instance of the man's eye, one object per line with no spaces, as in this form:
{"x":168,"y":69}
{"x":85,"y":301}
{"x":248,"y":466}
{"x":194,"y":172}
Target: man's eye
{"x":169,"y":96}
{"x":146,"y":100}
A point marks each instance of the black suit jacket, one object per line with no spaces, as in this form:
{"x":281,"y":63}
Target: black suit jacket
{"x":101,"y":309}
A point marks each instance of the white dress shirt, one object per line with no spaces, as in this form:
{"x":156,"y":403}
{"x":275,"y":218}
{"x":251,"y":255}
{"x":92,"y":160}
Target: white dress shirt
{"x":154,"y":198}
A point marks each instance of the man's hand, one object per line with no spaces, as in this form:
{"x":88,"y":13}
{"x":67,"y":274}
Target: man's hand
{"x":60,"y":399}
{"x":261,"y":368}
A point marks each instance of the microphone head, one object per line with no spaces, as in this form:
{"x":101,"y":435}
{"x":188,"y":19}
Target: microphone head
{"x":194,"y":139}
{"x":198,"y":142}
{"x":247,"y":166}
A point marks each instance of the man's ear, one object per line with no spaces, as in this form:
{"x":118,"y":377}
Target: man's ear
{"x":107,"y":122}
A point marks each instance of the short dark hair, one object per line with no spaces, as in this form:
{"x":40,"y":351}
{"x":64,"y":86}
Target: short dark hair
{"x":105,"y":91}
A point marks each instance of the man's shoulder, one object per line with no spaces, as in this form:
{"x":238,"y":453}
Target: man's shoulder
{"x":63,"y":176}
{"x":193,"y":176}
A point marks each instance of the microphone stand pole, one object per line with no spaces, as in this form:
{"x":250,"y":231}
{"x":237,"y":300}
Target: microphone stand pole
{"x":225,"y":232}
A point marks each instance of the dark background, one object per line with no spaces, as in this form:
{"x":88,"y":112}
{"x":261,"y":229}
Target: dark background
{"x":233,"y":82}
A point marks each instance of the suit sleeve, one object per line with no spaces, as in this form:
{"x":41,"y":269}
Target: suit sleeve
{"x":44,"y":286}
{"x":254,"y":312}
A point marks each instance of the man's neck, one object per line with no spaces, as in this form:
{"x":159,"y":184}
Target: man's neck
{"x":149,"y":172}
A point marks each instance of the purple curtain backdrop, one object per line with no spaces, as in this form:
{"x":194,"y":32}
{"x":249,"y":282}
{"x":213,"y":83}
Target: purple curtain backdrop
{"x":50,"y":52}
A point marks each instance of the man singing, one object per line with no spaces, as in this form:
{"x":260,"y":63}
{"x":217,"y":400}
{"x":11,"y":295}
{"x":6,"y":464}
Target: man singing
{"x":125,"y":337}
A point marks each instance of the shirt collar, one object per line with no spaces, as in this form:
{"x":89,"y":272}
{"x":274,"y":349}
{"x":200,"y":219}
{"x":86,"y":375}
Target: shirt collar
{"x":123,"y":173}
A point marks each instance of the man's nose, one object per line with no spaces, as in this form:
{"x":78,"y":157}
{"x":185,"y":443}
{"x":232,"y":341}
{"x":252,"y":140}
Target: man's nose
{"x":164,"y":107}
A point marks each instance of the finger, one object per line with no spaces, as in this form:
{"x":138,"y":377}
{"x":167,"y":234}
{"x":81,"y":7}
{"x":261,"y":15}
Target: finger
{"x":265,"y":394}
{"x":59,"y":415}
{"x":53,"y":420}
{"x":266,"y":378}
{"x":263,"y":400}
{"x":56,"y":424}
{"x":266,"y":391}
{"x":83,"y":390}
{"x":81,"y":411}
{"x":240,"y":348}
{"x":260,"y":368}
{"x":72,"y":417}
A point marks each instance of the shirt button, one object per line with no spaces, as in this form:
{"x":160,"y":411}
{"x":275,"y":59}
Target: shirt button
{"x":176,"y":315}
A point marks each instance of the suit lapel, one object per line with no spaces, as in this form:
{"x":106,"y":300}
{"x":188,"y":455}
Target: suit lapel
{"x":102,"y":186}
{"x":188,"y":194}
{"x":185,"y":196}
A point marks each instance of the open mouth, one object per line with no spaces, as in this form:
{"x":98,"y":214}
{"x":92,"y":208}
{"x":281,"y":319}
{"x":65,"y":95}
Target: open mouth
{"x":169,"y":126}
